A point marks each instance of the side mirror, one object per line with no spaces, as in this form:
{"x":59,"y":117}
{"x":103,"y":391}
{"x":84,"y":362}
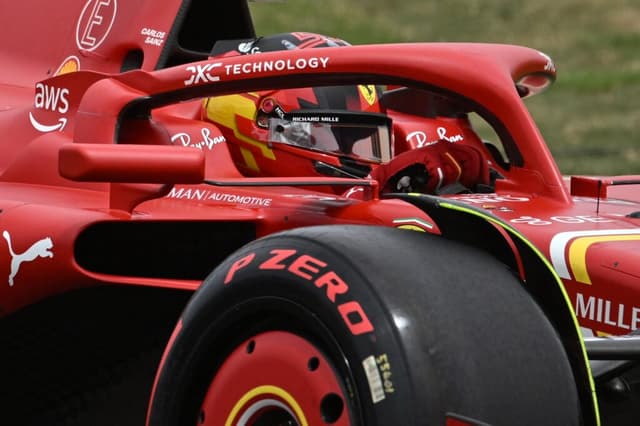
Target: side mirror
{"x":89,"y":162}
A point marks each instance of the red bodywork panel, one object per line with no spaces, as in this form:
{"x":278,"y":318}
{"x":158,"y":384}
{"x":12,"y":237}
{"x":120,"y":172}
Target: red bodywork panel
{"x":63,"y":94}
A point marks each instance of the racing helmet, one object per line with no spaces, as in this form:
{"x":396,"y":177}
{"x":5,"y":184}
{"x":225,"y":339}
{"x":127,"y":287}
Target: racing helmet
{"x":328,"y":130}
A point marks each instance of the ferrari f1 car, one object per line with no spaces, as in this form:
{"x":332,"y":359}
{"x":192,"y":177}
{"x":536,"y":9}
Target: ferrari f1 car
{"x":202,"y":227}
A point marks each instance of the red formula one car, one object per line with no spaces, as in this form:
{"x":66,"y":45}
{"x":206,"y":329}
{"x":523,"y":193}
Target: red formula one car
{"x":204,"y":227}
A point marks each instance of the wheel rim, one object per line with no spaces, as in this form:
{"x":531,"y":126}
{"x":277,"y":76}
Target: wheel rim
{"x":275,"y":378}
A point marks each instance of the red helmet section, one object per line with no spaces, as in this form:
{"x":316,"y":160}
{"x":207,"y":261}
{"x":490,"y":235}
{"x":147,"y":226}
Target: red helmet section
{"x":435,"y":150}
{"x":244,"y":118}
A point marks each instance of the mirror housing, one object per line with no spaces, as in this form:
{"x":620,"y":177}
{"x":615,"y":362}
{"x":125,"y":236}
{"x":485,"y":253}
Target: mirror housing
{"x":89,"y":162}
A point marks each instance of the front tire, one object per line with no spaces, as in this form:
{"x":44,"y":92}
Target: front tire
{"x":360,"y":325}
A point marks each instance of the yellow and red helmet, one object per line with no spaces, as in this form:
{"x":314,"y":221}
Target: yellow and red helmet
{"x":301,"y":131}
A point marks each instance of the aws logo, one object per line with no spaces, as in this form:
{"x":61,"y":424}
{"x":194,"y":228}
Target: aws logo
{"x":50,"y":98}
{"x":53,"y":99}
{"x":568,"y":250}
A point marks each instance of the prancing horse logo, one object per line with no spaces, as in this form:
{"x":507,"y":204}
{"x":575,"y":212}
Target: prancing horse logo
{"x":41,"y":248}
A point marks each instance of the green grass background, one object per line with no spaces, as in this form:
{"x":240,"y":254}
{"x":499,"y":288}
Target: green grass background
{"x":590,"y":117}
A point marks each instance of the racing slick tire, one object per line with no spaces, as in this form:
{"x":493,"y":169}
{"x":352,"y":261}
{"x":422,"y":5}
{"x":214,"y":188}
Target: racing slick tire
{"x":363,"y":325}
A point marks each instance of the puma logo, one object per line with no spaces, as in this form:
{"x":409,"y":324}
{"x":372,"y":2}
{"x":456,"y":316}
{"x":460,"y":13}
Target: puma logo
{"x":41,"y":248}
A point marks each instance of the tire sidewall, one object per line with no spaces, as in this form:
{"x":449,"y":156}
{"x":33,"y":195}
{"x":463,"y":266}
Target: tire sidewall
{"x":247,"y":289}
{"x":452,"y":326}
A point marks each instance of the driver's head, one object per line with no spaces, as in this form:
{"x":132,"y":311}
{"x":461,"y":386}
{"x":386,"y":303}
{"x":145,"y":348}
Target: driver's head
{"x":301,"y":131}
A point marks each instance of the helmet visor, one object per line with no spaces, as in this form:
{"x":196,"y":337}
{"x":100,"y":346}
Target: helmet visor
{"x":364,"y":136}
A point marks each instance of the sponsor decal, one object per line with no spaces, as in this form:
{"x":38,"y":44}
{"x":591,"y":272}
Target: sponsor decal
{"x":248,"y":48}
{"x":317,"y":273}
{"x":70,"y":64}
{"x":277,"y":65}
{"x":419,"y":139}
{"x":95,"y":22}
{"x":578,"y":219}
{"x":41,"y":248}
{"x":207,"y":195}
{"x":202,"y":73}
{"x":315,"y":118}
{"x":489,"y":198}
{"x":442,"y":135}
{"x":575,"y":245}
{"x":207,"y":141}
{"x":54,"y":99}
{"x":45,"y":128}
{"x":153,"y":37}
{"x":607,"y":312}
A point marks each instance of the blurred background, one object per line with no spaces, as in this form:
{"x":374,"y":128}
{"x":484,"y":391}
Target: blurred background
{"x":590,"y":117}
